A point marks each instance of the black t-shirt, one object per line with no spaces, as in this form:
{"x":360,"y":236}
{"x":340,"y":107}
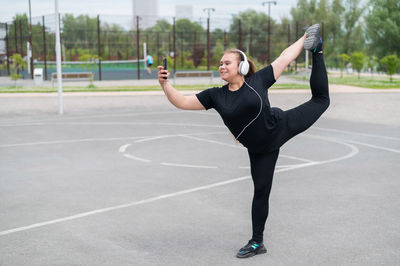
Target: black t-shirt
{"x":238,"y":108}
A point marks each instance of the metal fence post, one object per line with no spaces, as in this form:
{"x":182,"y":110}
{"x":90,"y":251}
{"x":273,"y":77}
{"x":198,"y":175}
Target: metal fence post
{"x":138,"y":47}
{"x":20,"y":38}
{"x":208,"y":44}
{"x":158,"y":47}
{"x":15,"y":36}
{"x":7,"y":51}
{"x":174,"y":44}
{"x":182,"y":57}
{"x":99,"y":45}
{"x":44,"y":49}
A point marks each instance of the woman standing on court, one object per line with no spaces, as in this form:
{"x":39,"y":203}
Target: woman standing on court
{"x":245,"y":109}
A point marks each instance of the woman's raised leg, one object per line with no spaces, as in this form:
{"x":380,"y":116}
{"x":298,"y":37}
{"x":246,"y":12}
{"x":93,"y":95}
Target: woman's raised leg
{"x":303,"y":116}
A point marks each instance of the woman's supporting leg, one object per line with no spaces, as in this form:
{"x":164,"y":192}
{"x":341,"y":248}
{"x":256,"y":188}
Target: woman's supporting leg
{"x":262,"y":171}
{"x":302,"y":117}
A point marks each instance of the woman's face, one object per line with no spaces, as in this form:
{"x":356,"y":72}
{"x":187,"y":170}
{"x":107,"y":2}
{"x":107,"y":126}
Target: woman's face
{"x":228,"y":67}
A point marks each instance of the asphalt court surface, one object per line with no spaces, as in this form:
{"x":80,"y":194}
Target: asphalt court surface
{"x":130,"y":180}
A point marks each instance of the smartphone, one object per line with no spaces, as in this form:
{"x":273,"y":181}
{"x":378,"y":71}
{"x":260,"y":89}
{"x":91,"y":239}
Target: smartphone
{"x":164,"y":63}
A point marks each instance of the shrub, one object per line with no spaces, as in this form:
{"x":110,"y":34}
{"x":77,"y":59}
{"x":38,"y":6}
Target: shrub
{"x":391,"y":63}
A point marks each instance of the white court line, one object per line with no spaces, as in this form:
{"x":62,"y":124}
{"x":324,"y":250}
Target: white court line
{"x":157,"y":137}
{"x":189,"y":165}
{"x":241,"y":147}
{"x":65,"y":141}
{"x":186,"y":191}
{"x":123,"y":148}
{"x":297,"y":158}
{"x":373,"y":146}
{"x":277,"y":166}
{"x":320,"y":128}
{"x":355,"y":133}
{"x":141,"y":124}
{"x":203,"y":112}
{"x":214,"y":141}
{"x":90,"y":140}
{"x":137,"y":158}
{"x":354,"y":150}
{"x":205,"y":140}
{"x":43,"y":121}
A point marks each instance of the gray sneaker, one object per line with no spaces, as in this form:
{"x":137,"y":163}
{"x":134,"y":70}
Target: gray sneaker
{"x":313,"y":37}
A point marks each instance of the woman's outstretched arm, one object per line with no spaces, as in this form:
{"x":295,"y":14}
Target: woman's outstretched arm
{"x":287,"y":56}
{"x":175,"y":97}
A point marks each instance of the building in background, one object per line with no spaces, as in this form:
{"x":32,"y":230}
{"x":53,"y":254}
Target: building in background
{"x":147,"y":10}
{"x":184,"y":11}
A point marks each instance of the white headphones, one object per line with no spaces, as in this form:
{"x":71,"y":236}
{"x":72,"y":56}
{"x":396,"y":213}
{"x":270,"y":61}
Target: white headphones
{"x":244,"y":66}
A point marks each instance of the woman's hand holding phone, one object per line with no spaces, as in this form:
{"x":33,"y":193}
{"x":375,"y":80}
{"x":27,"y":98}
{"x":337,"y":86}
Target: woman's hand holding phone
{"x":163,"y":73}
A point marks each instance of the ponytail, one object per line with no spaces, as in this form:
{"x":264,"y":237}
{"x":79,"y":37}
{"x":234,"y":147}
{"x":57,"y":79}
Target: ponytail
{"x":252,"y":68}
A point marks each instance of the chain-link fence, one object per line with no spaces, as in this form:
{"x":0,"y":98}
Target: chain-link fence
{"x":112,"y":47}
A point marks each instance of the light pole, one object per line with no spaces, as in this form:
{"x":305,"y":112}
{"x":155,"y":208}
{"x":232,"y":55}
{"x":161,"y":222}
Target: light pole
{"x":58,"y":60}
{"x":208,"y":35}
{"x":269,"y":26}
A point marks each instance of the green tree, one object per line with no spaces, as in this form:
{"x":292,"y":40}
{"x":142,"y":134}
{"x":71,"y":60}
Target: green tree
{"x":333,"y":27}
{"x":161,"y":29}
{"x":357,"y":60}
{"x":80,"y":31}
{"x":343,"y":60}
{"x":185,"y":31}
{"x":352,"y":37}
{"x":14,"y":28}
{"x":391,"y":63}
{"x":258,"y":23}
{"x":89,"y":62}
{"x":217,"y":51}
{"x":303,"y":12}
{"x":383,"y":27}
{"x":16,"y":66}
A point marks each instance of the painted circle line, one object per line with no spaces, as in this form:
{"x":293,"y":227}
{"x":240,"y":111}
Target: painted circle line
{"x":123,"y":149}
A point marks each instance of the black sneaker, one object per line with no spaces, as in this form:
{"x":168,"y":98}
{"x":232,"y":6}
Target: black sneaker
{"x":313,"y":37}
{"x":252,"y":248}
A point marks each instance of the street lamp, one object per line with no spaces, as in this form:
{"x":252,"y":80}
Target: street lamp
{"x":269,"y":26}
{"x":208,"y":35}
{"x":209,"y":9}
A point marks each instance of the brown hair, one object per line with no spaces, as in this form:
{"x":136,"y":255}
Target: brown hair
{"x":252,"y":66}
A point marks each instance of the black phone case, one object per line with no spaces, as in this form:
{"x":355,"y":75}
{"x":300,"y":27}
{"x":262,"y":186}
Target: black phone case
{"x":164,"y":65}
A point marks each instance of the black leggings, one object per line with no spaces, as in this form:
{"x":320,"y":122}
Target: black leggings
{"x":296,"y":120}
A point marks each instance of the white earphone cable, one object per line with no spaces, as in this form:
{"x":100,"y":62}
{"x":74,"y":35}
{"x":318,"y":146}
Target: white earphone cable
{"x":257,"y":114}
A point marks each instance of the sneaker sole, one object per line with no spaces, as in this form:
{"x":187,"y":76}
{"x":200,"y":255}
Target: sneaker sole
{"x":261,"y":251}
{"x":313,"y":37}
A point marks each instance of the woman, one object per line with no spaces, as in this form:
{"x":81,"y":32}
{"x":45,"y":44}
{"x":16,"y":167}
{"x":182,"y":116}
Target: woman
{"x":245,"y":109}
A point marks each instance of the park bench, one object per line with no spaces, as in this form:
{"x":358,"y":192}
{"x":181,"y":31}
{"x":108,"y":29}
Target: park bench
{"x":193,"y":74}
{"x":73,"y":76}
